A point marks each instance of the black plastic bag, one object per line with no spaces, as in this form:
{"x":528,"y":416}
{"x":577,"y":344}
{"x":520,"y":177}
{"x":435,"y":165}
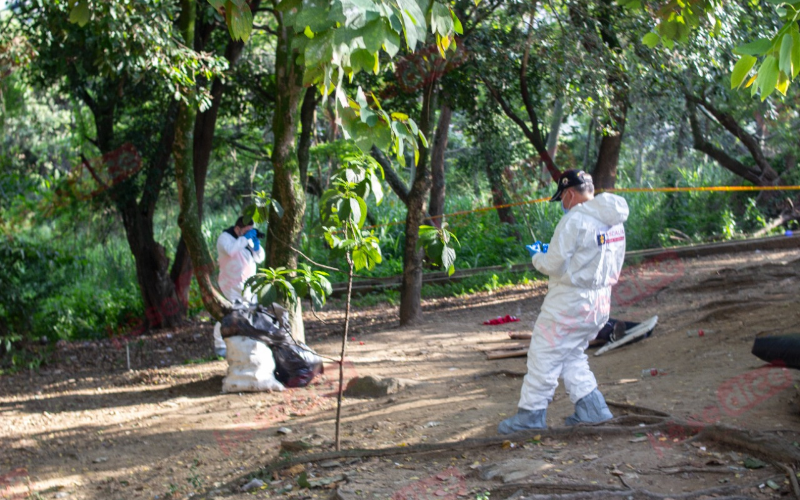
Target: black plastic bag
{"x":780,"y":350}
{"x":296,"y":364}
{"x":608,"y":334}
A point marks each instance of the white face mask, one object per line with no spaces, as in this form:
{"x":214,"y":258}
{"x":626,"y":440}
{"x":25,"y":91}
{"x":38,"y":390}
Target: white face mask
{"x":563,"y":208}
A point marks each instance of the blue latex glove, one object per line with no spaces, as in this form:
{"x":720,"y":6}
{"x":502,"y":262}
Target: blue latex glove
{"x":537,"y":247}
{"x":534,"y":248}
{"x":253,"y":236}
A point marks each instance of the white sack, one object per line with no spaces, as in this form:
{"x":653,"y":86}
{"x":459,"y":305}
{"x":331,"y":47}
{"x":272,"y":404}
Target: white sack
{"x":251,"y":367}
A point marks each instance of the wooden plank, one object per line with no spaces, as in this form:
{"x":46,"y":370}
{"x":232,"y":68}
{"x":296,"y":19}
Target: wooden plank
{"x":518,"y":353}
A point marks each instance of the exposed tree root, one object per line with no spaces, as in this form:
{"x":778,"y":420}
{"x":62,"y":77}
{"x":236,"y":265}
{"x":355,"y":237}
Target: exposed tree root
{"x":756,"y":443}
{"x":660,"y":424}
{"x":638,"y":410}
{"x":734,"y":492}
{"x":790,"y":471}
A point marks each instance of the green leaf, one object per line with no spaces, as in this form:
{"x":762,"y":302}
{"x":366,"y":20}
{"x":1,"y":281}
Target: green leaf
{"x":359,"y":259}
{"x":377,"y":189}
{"x":277,"y":207}
{"x":451,"y":270}
{"x":308,"y":32}
{"x":785,"y":63}
{"x":457,"y":27}
{"x":651,"y":39}
{"x":320,"y":49}
{"x":80,"y":13}
{"x":391,"y":44}
{"x":373,"y":34}
{"x":409,"y":30}
{"x":448,"y":256}
{"x":755,"y":48}
{"x":795,"y":53}
{"x":754,"y":463}
{"x":239,"y":20}
{"x":741,"y":69}
{"x":302,"y":481}
{"x":768,"y":76}
{"x":362,"y":60}
{"x":284,"y":6}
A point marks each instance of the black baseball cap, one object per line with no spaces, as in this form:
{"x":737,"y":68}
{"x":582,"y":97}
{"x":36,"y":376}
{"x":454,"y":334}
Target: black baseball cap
{"x":571,"y":178}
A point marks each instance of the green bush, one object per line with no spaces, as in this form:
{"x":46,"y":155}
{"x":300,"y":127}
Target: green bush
{"x":61,"y":295}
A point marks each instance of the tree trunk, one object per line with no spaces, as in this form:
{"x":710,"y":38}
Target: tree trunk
{"x":150,"y":260}
{"x":162,"y":308}
{"x":505,"y":214}
{"x":204,"y":128}
{"x":605,"y":170}
{"x":189,"y":216}
{"x":411,"y":286}
{"x":287,"y":186}
{"x":437,"y":165}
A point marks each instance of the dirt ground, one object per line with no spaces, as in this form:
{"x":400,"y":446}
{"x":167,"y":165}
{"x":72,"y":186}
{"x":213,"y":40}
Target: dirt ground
{"x":86,"y":428}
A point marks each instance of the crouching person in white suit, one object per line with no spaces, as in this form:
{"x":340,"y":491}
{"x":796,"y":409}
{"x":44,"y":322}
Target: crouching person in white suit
{"x":238,"y":251}
{"x":583,"y":262}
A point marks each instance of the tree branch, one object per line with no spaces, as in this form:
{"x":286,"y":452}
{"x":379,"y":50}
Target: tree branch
{"x":720,"y":156}
{"x":537,"y":142}
{"x":395,"y":182}
{"x":768,"y":175}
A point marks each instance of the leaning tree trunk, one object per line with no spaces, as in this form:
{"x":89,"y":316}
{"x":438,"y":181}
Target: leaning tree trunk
{"x":189,"y":216}
{"x":411,"y":285}
{"x":204,"y":129}
{"x":438,"y":186}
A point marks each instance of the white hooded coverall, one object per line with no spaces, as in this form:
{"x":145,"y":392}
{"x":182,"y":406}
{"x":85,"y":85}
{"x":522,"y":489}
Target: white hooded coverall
{"x":583,"y":261}
{"x":237,"y":263}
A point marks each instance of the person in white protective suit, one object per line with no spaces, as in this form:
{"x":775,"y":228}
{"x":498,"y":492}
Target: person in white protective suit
{"x":583,"y":262}
{"x":238,"y":251}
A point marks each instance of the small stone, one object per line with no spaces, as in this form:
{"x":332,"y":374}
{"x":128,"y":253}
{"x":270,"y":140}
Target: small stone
{"x":284,"y":431}
{"x":61,"y":494}
{"x":514,"y":470}
{"x":253,"y":485}
{"x":100,"y":460}
{"x":329,"y":464}
{"x":294,"y":446}
{"x":371,"y":387}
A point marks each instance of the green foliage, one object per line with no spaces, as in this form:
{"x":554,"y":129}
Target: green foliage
{"x":780,"y":54}
{"x":438,"y":248}
{"x":272,"y":285}
{"x":313,"y":284}
{"x":103,"y":36}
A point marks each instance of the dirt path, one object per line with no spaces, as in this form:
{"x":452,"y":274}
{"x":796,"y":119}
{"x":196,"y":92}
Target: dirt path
{"x":88,"y":429}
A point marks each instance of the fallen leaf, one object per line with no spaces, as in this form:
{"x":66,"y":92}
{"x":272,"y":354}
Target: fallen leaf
{"x":296,"y":469}
{"x":754,"y":463}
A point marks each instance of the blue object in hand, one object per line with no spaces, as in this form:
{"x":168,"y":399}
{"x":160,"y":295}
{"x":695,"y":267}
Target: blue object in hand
{"x":253,"y":236}
{"x":545,"y":246}
{"x":534,"y":248}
